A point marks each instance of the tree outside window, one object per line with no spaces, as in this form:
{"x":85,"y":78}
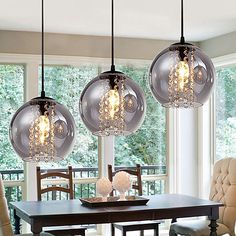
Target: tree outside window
{"x":225,"y":103}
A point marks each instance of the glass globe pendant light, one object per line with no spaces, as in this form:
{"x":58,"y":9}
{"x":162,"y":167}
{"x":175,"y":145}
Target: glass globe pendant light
{"x":182,"y":75}
{"x":42,"y":129}
{"x":112,"y":103}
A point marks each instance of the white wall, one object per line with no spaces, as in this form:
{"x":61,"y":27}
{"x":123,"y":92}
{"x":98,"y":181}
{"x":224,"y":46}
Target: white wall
{"x":219,"y":46}
{"x":19,"y":42}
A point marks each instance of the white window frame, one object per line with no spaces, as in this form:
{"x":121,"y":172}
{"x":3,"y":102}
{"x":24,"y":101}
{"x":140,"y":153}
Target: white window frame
{"x":206,"y":135}
{"x":219,"y":62}
{"x":105,"y":145}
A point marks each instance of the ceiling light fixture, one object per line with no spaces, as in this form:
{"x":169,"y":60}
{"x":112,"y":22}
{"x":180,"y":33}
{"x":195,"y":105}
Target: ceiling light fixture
{"x":42,"y":129}
{"x":112,"y":103}
{"x":182,"y":75}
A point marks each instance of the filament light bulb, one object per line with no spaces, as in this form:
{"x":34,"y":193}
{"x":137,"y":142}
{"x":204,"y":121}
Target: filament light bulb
{"x":182,"y":74}
{"x":43,"y":128}
{"x":113,"y":99}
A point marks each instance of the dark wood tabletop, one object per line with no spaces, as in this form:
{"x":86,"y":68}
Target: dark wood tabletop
{"x":166,"y":206}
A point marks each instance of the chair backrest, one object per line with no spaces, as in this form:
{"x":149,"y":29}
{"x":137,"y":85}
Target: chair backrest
{"x":137,"y":185}
{"x":5,"y":225}
{"x":223,"y":189}
{"x":51,"y":174}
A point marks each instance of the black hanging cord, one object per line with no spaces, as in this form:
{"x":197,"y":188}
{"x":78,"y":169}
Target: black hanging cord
{"x":182,"y":40}
{"x":42,"y":92}
{"x":112,"y":36}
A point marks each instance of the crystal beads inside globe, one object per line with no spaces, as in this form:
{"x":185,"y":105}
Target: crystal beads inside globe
{"x":182,"y":76}
{"x":112,"y":104}
{"x":42,"y":130}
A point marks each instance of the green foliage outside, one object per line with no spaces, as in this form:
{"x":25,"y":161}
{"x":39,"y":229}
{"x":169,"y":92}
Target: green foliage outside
{"x":148,"y":145}
{"x":65,"y":84}
{"x":225,"y":102}
{"x":11,"y":97}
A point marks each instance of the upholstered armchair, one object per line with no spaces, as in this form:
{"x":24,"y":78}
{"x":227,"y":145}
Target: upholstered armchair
{"x":5,"y":225}
{"x":223,"y":189}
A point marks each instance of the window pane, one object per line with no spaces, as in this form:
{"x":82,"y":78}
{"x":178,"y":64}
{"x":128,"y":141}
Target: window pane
{"x":225,"y":102}
{"x":65,"y":84}
{"x":12,"y":97}
{"x":148,"y":145}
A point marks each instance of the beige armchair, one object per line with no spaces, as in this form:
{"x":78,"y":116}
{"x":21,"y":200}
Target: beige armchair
{"x":5,"y":225}
{"x":223,"y":189}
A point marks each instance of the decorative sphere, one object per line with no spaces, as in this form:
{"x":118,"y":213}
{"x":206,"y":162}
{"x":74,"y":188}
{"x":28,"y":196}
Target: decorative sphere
{"x":182,"y":76}
{"x":104,"y":186}
{"x":42,"y":130}
{"x":112,"y":104}
{"x":122,"y":181}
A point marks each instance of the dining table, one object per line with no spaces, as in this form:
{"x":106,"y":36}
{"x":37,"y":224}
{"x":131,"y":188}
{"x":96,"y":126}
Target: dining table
{"x":41,"y":214}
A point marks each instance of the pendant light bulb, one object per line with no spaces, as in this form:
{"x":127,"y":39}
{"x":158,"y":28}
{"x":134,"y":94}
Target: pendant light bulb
{"x":112,"y":103}
{"x":182,"y":75}
{"x":42,"y":129}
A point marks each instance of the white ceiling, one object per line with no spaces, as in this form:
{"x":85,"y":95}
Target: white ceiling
{"x":134,"y":18}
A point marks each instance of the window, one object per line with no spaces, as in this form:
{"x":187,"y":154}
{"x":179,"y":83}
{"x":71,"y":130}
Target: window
{"x":148,"y":145}
{"x":65,"y":84}
{"x":225,"y":97}
{"x":12,"y":97}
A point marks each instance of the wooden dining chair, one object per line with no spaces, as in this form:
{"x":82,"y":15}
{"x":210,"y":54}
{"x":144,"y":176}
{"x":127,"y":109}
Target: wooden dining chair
{"x":134,"y":225}
{"x":5,"y":223}
{"x":67,"y":188}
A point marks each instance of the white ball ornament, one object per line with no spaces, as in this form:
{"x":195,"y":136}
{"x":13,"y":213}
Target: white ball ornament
{"x":104,"y":187}
{"x":122,"y":183}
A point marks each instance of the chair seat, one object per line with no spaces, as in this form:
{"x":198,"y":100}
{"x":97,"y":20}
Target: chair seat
{"x":137,"y":225}
{"x":67,"y":229}
{"x":196,"y":228}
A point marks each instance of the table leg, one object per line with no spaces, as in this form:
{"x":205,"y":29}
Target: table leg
{"x":213,"y":217}
{"x":36,"y":229}
{"x":36,"y":233}
{"x":17,"y":223}
{"x":112,"y":230}
{"x":213,"y":227}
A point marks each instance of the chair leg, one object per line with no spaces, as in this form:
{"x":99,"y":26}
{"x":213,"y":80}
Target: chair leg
{"x":156,"y":230}
{"x":112,"y":230}
{"x":83,"y":234}
{"x":123,"y":232}
{"x":141,"y":232}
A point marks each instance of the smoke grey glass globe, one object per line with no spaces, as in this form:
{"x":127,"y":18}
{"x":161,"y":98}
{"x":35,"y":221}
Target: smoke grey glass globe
{"x":182,"y":76}
{"x":112,"y":104}
{"x":42,"y":130}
